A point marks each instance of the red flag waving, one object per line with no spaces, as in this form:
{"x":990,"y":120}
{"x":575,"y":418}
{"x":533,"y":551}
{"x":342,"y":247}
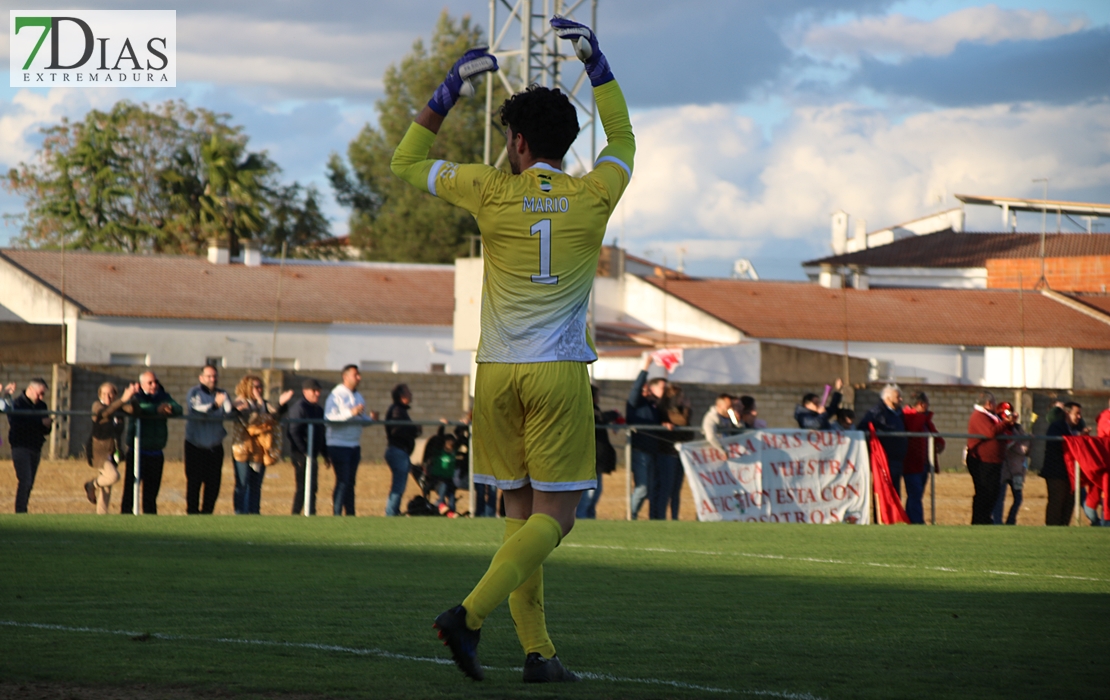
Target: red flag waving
{"x":888,"y":506}
{"x":1093,"y":455}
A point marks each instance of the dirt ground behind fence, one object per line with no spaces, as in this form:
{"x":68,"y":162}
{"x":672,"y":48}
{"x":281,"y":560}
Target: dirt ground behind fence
{"x":58,"y":489}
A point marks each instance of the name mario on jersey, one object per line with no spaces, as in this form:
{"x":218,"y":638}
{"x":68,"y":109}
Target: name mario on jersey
{"x":546,"y":204}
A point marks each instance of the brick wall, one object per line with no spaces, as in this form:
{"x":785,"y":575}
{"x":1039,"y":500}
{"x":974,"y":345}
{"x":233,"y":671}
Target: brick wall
{"x":1090,"y":273}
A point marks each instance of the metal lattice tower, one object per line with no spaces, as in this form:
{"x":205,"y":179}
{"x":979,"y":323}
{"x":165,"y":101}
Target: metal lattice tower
{"x":538,"y":58}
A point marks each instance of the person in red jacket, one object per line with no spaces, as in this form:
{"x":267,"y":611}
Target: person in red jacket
{"x":984,"y":458}
{"x":1104,"y":423}
{"x":915,"y":469}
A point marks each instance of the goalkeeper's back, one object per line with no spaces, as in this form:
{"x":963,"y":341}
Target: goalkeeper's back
{"x":542,"y":232}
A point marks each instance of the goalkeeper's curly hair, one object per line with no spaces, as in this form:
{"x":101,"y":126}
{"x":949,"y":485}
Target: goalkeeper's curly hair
{"x":545,"y":118}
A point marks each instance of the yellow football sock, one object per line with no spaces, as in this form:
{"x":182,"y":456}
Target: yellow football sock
{"x":515,"y":562}
{"x":526,"y":606}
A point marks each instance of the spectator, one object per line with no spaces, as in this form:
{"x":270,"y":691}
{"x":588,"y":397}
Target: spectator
{"x":886,"y":417}
{"x":6,"y":397}
{"x":255,"y":441}
{"x":296,"y":433}
{"x":642,"y":409}
{"x":148,"y":407}
{"x":26,"y":435}
{"x":204,"y":442}
{"x":439,"y":468}
{"x":1061,"y":491}
{"x":984,"y":458}
{"x":716,"y":422}
{"x":812,"y":414}
{"x":605,"y":458}
{"x":669,"y":475}
{"x":845,"y":418}
{"x":749,"y":416}
{"x":1014,"y":466}
{"x":916,"y":467}
{"x":401,"y":442}
{"x":345,"y":405}
{"x":105,"y":441}
{"x":485,"y":495}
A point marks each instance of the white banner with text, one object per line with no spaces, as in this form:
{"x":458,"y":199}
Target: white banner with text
{"x":781,"y":476}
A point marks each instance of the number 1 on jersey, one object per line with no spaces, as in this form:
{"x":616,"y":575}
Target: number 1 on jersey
{"x":543,"y":227}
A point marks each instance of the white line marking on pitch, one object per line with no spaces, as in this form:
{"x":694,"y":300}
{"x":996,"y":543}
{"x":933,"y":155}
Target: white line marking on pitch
{"x":751,"y":555}
{"x":400,"y":657}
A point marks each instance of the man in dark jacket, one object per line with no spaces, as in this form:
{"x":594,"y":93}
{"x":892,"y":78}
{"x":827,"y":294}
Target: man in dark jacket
{"x":26,"y":434}
{"x":296,"y":435}
{"x":886,"y":417}
{"x":1061,"y":490}
{"x":811,"y":415}
{"x":984,"y":458}
{"x":402,"y":441}
{"x":150,"y":405}
{"x":642,"y":409}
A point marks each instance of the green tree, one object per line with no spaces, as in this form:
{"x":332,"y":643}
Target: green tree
{"x":389,"y":219}
{"x":163,"y":179}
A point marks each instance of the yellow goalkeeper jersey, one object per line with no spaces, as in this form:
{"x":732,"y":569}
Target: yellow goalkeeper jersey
{"x":541,"y":235}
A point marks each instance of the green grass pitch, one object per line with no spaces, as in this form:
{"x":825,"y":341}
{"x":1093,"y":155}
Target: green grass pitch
{"x":256,"y":607}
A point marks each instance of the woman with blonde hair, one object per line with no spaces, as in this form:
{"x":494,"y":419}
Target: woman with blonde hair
{"x":105,"y":445}
{"x":256,"y":441}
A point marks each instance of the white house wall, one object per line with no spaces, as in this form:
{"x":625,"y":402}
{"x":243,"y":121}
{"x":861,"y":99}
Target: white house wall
{"x":645,"y":304}
{"x":929,"y":364}
{"x":29,"y":300}
{"x":1035,"y":368}
{"x":247,"y":344}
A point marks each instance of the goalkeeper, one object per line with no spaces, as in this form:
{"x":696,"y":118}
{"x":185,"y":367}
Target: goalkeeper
{"x":533,"y":415}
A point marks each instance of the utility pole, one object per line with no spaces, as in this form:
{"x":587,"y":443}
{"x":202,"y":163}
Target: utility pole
{"x":1043,"y":281}
{"x":538,"y":59}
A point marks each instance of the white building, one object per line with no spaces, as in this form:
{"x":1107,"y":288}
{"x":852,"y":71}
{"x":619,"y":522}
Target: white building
{"x":183,"y":310}
{"x":999,"y":338}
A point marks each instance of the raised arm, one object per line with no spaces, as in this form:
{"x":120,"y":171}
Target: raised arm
{"x":410,"y":160}
{"x":620,"y":146}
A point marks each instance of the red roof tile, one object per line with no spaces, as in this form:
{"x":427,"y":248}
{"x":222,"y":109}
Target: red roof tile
{"x":171,"y":286}
{"x":799,"y":310}
{"x":951,"y":249}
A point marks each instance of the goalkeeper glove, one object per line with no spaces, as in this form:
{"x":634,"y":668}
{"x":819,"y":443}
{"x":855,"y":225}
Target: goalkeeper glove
{"x":585,"y":46}
{"x":473,"y":62}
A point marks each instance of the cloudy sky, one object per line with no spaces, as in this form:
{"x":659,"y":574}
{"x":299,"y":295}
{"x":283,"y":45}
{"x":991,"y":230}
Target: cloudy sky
{"x":755,"y":119}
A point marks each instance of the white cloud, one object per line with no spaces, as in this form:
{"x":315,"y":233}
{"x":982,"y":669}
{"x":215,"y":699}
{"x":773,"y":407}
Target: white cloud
{"x":705,"y":180}
{"x":302,"y":58}
{"x":30,"y":110}
{"x":906,"y":36}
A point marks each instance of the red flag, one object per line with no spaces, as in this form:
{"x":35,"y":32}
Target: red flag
{"x":1093,"y":455}
{"x":888,"y":505}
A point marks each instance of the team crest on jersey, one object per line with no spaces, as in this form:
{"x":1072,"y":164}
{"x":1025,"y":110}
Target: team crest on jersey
{"x":449,"y":171}
{"x":545,"y":183}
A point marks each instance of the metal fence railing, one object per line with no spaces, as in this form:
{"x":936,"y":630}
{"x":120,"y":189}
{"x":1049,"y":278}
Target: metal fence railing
{"x":628,"y":430}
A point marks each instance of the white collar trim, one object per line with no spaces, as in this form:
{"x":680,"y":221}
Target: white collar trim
{"x":544,"y":166}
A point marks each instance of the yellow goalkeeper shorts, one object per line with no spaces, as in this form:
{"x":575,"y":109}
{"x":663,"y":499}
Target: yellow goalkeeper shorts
{"x":534,"y":423}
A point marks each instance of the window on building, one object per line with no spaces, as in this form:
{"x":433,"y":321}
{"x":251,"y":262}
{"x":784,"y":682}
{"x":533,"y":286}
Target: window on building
{"x":438,"y":368}
{"x":288,"y":363}
{"x":217,"y":362}
{"x":133,"y":359}
{"x":377,"y":366}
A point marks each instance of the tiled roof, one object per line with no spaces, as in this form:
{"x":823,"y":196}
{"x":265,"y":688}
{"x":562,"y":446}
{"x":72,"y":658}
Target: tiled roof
{"x":187,"y":287}
{"x":799,"y":310}
{"x":1100,"y":302}
{"x":951,"y":249}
